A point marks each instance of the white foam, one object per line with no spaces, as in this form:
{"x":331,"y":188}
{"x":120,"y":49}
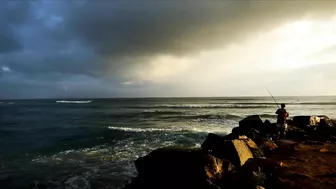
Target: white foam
{"x":78,"y":181}
{"x":198,"y":129}
{"x":219,"y":130}
{"x":116,"y":159}
{"x":130,"y":129}
{"x":74,"y":101}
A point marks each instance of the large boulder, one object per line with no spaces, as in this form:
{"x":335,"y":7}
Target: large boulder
{"x":235,"y":131}
{"x":253,"y":121}
{"x":215,"y":142}
{"x":179,"y":168}
{"x":315,"y":122}
{"x":325,"y":121}
{"x":306,"y":121}
{"x":249,"y":142}
{"x":240,"y":152}
{"x":269,"y":127}
{"x":295,"y":133}
{"x":236,"y":151}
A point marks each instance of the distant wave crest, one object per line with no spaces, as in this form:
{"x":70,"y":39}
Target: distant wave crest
{"x":207,"y":116}
{"x":209,"y":106}
{"x":74,"y":101}
{"x":287,"y":103}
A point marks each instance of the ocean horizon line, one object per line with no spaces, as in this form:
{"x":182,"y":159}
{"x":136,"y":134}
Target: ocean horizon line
{"x":168,"y":97}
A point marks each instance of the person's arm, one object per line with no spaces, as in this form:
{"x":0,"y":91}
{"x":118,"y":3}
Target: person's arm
{"x":277,"y":112}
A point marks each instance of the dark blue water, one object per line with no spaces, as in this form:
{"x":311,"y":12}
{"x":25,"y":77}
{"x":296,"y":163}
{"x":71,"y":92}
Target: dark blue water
{"x":92,"y":143}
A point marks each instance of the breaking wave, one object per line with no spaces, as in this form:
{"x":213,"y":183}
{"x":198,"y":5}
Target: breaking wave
{"x":130,"y":129}
{"x":181,"y":129}
{"x":74,"y":101}
{"x":110,"y":165}
{"x":175,"y":115}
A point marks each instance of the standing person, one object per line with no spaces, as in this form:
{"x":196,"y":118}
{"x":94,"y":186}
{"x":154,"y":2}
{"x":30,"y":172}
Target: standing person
{"x":282,"y":121}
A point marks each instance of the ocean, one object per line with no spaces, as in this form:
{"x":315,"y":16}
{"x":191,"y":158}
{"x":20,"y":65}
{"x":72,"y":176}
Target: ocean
{"x":92,"y":143}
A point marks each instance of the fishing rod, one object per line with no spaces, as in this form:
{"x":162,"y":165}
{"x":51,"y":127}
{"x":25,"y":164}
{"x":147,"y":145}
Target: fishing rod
{"x":273,"y":98}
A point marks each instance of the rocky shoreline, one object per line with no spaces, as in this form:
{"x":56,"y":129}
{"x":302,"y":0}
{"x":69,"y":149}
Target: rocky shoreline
{"x":249,"y":157}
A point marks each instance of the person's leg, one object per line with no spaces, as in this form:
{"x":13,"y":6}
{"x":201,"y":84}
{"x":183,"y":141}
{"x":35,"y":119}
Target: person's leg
{"x":278,"y":126}
{"x":282,"y":134}
{"x":285,"y":130}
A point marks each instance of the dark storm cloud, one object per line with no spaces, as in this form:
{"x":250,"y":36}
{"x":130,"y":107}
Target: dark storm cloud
{"x":178,"y":28}
{"x":11,"y":15}
{"x":52,"y":41}
{"x":113,"y":37}
{"x":126,"y":34}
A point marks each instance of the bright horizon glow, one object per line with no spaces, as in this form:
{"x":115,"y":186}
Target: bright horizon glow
{"x":291,"y":46}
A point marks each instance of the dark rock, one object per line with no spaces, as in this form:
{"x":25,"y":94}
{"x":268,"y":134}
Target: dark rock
{"x":249,"y":142}
{"x":325,"y":121}
{"x":332,"y":131}
{"x":254,"y":172}
{"x":267,"y":122}
{"x":269,"y":146}
{"x":256,"y":151}
{"x":213,"y":142}
{"x":230,"y":137}
{"x":322,"y":134}
{"x":256,"y":136}
{"x":269,"y":127}
{"x":305,"y":121}
{"x":319,"y":128}
{"x":261,"y":164}
{"x":216,"y":142}
{"x":179,"y":168}
{"x":250,"y":122}
{"x":242,"y":150}
{"x":235,"y":131}
{"x":295,"y":133}
{"x":236,"y":151}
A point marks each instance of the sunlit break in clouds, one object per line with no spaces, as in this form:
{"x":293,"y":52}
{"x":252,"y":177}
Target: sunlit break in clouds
{"x":87,"y":49}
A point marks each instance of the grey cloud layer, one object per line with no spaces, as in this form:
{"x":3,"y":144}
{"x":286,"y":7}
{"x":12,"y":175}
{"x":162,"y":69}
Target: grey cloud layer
{"x":11,"y":16}
{"x":115,"y":38}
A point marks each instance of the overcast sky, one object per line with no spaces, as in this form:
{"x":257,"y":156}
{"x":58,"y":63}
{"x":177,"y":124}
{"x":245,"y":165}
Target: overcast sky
{"x":62,"y":49}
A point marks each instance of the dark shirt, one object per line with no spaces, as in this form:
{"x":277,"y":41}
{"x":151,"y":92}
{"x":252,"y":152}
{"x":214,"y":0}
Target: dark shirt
{"x":282,"y":115}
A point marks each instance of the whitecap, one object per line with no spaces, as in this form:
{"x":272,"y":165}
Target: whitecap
{"x":131,"y":129}
{"x":205,"y":106}
{"x":210,"y":128}
{"x":74,"y":101}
